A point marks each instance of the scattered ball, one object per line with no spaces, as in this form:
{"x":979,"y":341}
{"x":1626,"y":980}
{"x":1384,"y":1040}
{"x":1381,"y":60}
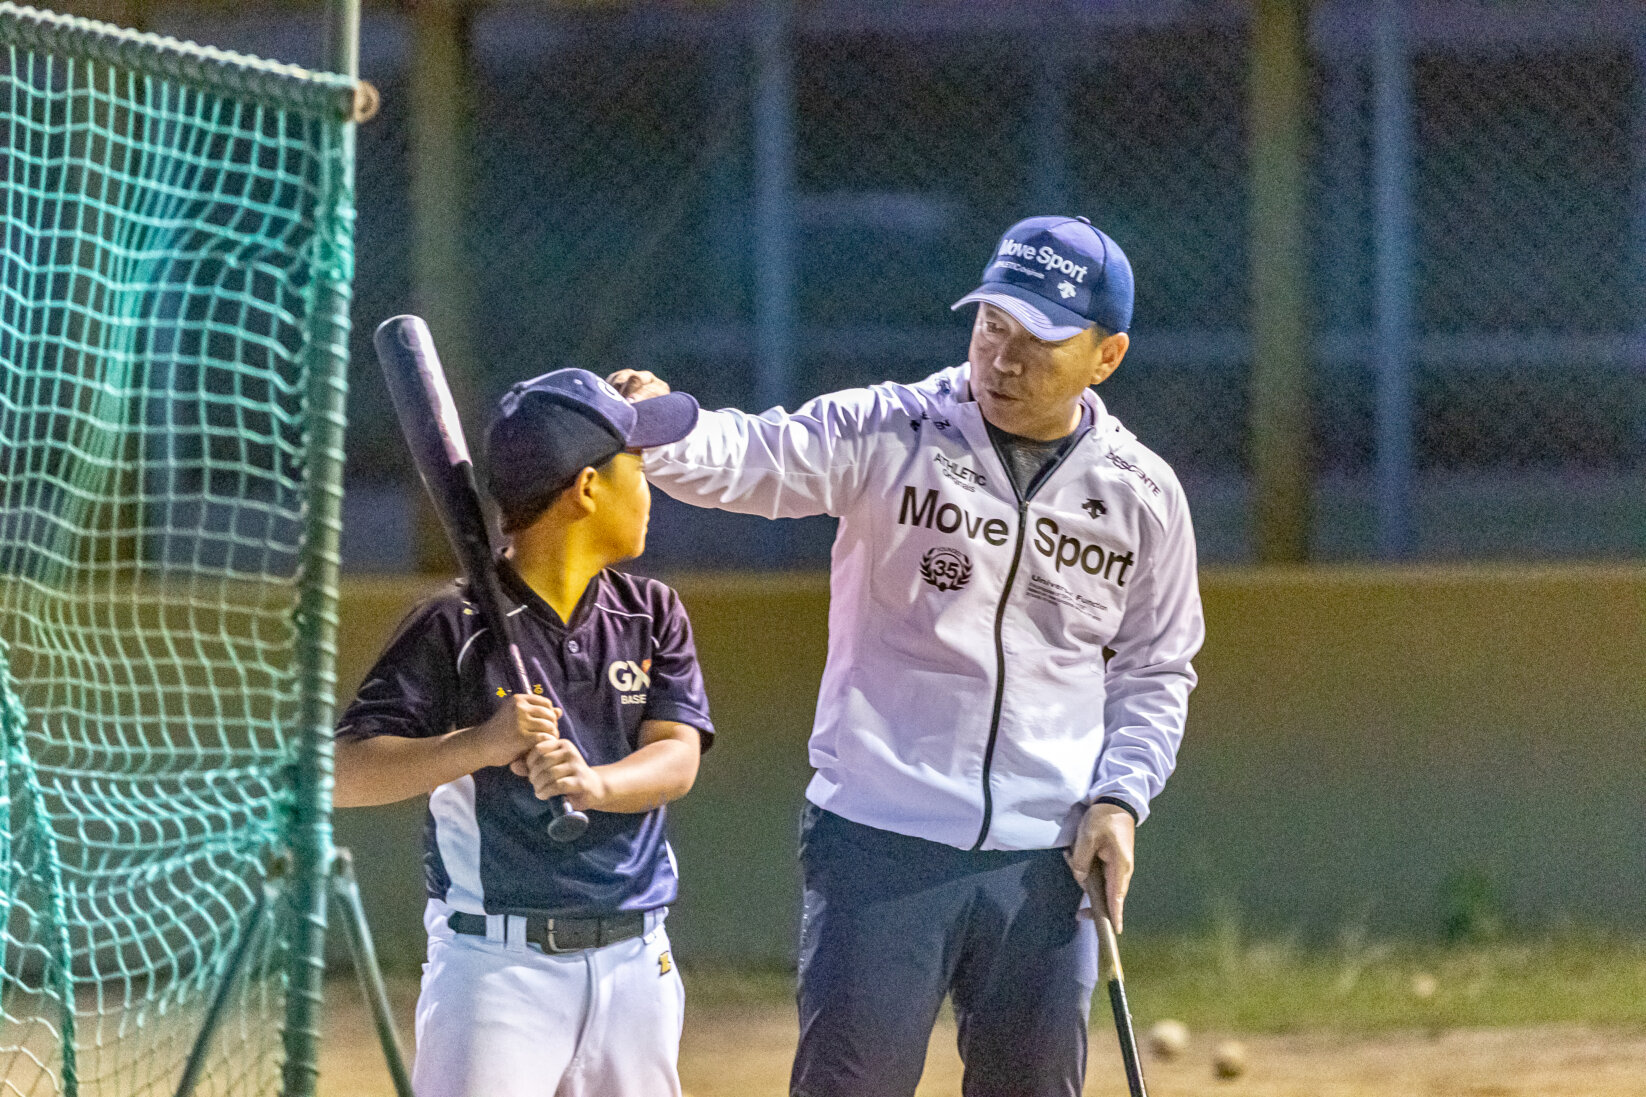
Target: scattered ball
{"x":1168,"y":1039}
{"x":1424,"y":985}
{"x":1229,"y":1060}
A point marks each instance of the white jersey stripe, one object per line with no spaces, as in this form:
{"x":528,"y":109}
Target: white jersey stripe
{"x":457,"y":834}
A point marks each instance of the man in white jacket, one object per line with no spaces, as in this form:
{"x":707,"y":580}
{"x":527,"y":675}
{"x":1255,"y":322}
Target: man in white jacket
{"x":1013,"y":612}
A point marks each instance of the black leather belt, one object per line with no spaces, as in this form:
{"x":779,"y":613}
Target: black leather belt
{"x":562,"y":934}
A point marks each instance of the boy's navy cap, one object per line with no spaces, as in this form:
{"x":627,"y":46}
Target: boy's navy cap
{"x":551,"y":428}
{"x":1058,"y":276}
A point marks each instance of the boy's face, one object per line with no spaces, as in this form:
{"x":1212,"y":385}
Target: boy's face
{"x":623,"y":507}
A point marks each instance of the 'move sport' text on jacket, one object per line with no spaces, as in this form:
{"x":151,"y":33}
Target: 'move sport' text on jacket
{"x":995,"y":663}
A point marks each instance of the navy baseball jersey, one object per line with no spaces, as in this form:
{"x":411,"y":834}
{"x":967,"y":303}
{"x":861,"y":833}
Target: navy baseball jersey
{"x":625,"y":656}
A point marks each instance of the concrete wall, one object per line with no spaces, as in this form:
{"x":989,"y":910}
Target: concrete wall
{"x":1361,"y":738}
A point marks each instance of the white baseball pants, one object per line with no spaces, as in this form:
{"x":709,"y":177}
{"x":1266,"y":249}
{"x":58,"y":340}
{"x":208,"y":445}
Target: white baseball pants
{"x":502,"y":1019}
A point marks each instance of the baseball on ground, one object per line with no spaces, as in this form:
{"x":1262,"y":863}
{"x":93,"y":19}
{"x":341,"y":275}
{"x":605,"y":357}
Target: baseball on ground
{"x":1229,"y":1060}
{"x":1168,"y":1039}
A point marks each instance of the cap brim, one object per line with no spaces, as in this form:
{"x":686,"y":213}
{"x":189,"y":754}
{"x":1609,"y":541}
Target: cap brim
{"x":662,"y":419}
{"x":1045,"y":319}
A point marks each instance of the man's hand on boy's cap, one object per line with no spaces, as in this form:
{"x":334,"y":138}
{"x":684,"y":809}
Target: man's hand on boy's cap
{"x":638,"y":384}
{"x":521,"y":721}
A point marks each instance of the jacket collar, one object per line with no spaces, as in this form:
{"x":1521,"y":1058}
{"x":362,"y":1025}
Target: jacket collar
{"x":965,"y":411}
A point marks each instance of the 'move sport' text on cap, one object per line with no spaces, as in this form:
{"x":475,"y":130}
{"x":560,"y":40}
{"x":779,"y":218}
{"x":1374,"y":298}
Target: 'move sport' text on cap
{"x":1058,"y":276}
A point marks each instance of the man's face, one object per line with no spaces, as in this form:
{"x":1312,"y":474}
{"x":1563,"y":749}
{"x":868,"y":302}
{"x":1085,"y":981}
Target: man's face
{"x":1030,"y":387}
{"x":623,"y":506}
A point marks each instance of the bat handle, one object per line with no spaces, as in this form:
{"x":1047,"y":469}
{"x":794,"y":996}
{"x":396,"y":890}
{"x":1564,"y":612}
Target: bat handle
{"x":566,"y":824}
{"x":1108,"y":953}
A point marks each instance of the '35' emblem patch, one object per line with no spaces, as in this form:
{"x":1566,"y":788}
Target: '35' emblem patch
{"x":946,"y":569}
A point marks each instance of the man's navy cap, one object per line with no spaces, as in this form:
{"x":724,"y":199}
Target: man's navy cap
{"x":551,"y":428}
{"x":1058,"y":276}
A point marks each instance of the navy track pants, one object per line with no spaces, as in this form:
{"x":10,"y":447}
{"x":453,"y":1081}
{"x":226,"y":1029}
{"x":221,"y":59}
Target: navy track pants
{"x":891,"y":924}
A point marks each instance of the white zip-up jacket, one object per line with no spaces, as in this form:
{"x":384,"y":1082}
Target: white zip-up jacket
{"x":995,"y":664}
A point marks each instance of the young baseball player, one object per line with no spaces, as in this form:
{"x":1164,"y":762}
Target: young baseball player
{"x":549,"y":969}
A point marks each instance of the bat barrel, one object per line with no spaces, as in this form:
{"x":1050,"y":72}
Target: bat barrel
{"x":428,"y":419}
{"x":1128,"y":1041}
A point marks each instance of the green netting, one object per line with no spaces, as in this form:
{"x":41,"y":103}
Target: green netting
{"x":177,"y":249}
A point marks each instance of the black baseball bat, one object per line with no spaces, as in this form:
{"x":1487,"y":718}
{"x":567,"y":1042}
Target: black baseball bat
{"x":428,"y":418}
{"x":1108,"y":967}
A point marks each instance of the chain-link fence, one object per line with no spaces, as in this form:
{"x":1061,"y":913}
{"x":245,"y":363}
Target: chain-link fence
{"x":762,"y":210}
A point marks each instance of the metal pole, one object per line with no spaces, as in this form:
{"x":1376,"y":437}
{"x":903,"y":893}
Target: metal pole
{"x":1343,"y":169}
{"x":1048,"y":131}
{"x":1282,"y":476}
{"x":442,"y":281}
{"x":725,"y":82}
{"x":776,"y":214}
{"x":1392,"y":170}
{"x":1638,"y":241}
{"x":775,"y":210}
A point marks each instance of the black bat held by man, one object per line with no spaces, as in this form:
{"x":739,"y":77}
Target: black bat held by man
{"x":1110,"y":975}
{"x":428,"y":418}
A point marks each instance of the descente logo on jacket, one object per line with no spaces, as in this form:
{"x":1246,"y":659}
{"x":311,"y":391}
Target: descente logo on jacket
{"x":1049,"y":539}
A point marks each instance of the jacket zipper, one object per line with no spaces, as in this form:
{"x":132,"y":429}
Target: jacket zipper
{"x":1000,"y":620}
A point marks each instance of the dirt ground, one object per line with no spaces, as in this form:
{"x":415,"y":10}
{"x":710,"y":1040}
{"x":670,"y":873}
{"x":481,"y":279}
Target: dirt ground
{"x":743,"y":1051}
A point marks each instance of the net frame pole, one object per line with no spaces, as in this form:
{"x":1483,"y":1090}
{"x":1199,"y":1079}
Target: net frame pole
{"x":303,"y":798}
{"x":346,"y":890}
{"x":60,"y":953}
{"x":250,"y":937}
{"x":342,"y":45}
{"x":311,"y":830}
